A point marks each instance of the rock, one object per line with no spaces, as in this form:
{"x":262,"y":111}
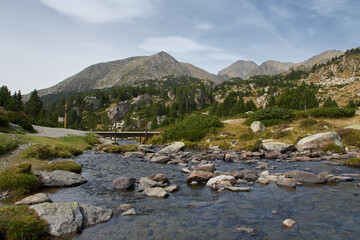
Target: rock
{"x":134,"y":155}
{"x":271,"y":155}
{"x":119,"y":111}
{"x":59,"y":178}
{"x":263,"y":100}
{"x":123,"y":183}
{"x":206,"y":167}
{"x":156,"y":192}
{"x":257,"y":127}
{"x":246,"y":230}
{"x":129,"y":212}
{"x":62,"y":218}
{"x":230,"y":157}
{"x":262,"y":180}
{"x":239,"y":189}
{"x":249,"y":175}
{"x":185,"y":170}
{"x":289,"y":223}
{"x":199,"y":99}
{"x":124,"y":207}
{"x":278,"y":147}
{"x":142,"y":99}
{"x":145,"y":183}
{"x":173,"y":188}
{"x":286,"y":182}
{"x":173,"y":148}
{"x":221,"y":182}
{"x":304,"y":177}
{"x":34,"y":199}
{"x":199,"y":176}
{"x":159,"y":178}
{"x":160,"y":159}
{"x":94,"y":215}
{"x":318,"y":141}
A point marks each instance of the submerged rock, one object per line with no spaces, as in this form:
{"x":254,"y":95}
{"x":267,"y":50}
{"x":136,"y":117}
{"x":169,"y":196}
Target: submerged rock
{"x":289,"y":223}
{"x":246,"y":230}
{"x":199,"y":176}
{"x":305,"y":177}
{"x":93,"y":215}
{"x":286,"y":182}
{"x":59,"y":178}
{"x":156,"y":192}
{"x":34,"y":199}
{"x":129,"y":212}
{"x":206,"y":167}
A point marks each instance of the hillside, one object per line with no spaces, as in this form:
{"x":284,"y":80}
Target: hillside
{"x":127,"y":71}
{"x":247,"y":69}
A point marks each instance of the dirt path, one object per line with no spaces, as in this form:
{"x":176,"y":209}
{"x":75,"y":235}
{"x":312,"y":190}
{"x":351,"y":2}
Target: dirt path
{"x":55,"y":132}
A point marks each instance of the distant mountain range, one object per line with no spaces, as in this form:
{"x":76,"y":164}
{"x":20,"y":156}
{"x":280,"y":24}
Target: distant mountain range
{"x":157,"y":66}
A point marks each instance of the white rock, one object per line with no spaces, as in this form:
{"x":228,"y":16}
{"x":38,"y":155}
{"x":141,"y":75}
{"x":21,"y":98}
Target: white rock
{"x":289,"y":223}
{"x":257,"y":127}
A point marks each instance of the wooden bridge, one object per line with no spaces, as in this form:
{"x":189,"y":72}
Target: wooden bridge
{"x":127,"y":134}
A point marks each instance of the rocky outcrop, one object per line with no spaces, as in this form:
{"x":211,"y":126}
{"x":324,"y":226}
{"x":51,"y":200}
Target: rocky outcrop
{"x":199,"y":98}
{"x":59,"y":178}
{"x":67,"y":218}
{"x":34,"y":199}
{"x":263,"y":100}
{"x":318,"y":141}
{"x":173,"y":148}
{"x":123,"y":183}
{"x":119,"y":111}
{"x":257,"y":127}
{"x":142,"y":99}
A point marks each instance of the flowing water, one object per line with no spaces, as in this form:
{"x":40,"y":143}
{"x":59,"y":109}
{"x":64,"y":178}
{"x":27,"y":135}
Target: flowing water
{"x":330,"y":211}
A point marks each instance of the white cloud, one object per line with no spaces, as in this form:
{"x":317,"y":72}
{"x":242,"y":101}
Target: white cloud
{"x":174,"y":44}
{"x":102,"y":11}
{"x":326,"y":7}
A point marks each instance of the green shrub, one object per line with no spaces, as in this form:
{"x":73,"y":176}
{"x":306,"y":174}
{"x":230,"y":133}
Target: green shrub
{"x":20,"y":119}
{"x":331,"y":112}
{"x":333,"y":148}
{"x":354,"y":162}
{"x":19,"y":179}
{"x":272,"y":122}
{"x":20,"y":222}
{"x":65,"y":165}
{"x":4,"y":121}
{"x":192,"y":128}
{"x":273,"y":113}
{"x":121,"y":149}
{"x":91,"y":139}
{"x":40,"y":151}
{"x":308,"y":123}
{"x":255,"y":147}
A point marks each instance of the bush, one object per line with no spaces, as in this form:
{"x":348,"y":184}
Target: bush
{"x":19,"y":179}
{"x":65,"y":165}
{"x":20,"y":119}
{"x":4,"y":121}
{"x":354,"y":162}
{"x":91,"y":139}
{"x":333,"y":148}
{"x":332,"y":112}
{"x":20,"y":222}
{"x":256,"y":146}
{"x":308,"y":123}
{"x":192,"y":128}
{"x":273,"y":113}
{"x":121,"y":149}
{"x":40,"y":151}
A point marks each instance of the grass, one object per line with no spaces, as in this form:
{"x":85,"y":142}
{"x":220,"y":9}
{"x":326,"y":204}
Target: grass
{"x":21,"y":222}
{"x":354,"y":162}
{"x":43,"y":152}
{"x":18,"y":179}
{"x":120,"y":149}
{"x":333,"y":148}
{"x":350,"y":137}
{"x":9,"y":142}
{"x":65,"y":165}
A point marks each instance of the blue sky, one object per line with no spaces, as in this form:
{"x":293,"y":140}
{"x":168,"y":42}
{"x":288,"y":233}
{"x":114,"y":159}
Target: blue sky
{"x":42,"y":42}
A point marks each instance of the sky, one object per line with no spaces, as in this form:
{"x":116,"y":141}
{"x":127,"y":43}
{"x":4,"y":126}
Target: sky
{"x":43,"y":42}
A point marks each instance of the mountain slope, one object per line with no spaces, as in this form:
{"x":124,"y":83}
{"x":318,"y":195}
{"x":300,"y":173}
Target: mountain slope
{"x":127,"y":71}
{"x":247,"y":69}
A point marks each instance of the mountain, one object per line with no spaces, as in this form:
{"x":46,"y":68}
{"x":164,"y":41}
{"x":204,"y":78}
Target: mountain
{"x":127,"y":71}
{"x":247,"y":69}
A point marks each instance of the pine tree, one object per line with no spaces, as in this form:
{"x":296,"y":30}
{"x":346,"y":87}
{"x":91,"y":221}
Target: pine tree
{"x":329,"y":103}
{"x":34,"y":106}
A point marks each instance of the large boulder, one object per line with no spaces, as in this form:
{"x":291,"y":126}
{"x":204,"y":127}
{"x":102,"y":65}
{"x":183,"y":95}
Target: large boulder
{"x":199,"y":176}
{"x":59,"y":178}
{"x":221,"y":182}
{"x":173,"y":148}
{"x":66,"y":218}
{"x":34,"y":199}
{"x":263,"y":100}
{"x":305,"y":177}
{"x":318,"y":141}
{"x":257,"y":127}
{"x":119,"y":111}
{"x":160,"y":159}
{"x":122,"y":183}
{"x":277,"y":147}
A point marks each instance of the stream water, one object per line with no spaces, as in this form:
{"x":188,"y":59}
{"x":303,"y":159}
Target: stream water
{"x":329,"y":211}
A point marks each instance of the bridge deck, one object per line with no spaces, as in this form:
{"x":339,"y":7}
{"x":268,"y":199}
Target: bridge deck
{"x":127,"y":134}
